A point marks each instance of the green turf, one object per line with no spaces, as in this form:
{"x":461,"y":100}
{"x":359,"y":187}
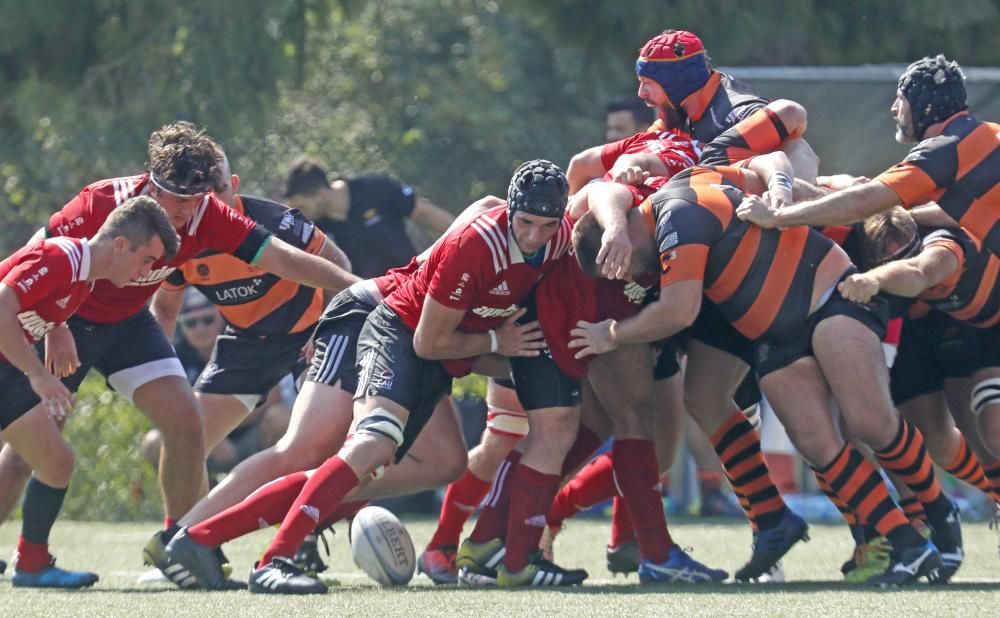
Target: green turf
{"x":813,"y":589}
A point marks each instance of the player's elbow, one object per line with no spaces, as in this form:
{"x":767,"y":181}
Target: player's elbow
{"x":792,"y":115}
{"x":424,"y":346}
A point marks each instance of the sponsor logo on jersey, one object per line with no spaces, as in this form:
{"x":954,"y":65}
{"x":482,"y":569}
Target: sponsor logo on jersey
{"x":26,"y":283}
{"x":372,"y":217}
{"x":154,"y":277}
{"x":238,"y":293}
{"x":456,"y":294}
{"x":287,"y":221}
{"x":202,"y":270}
{"x":66,"y":227}
{"x":494,"y":312}
{"x":501,"y":289}
{"x":62,"y":302}
{"x":33,"y":324}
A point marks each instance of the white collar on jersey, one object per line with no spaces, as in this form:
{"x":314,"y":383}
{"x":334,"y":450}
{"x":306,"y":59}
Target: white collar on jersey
{"x":512,"y":248}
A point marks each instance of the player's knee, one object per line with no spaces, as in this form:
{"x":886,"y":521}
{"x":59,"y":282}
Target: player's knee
{"x":59,"y":463}
{"x":453,"y":464}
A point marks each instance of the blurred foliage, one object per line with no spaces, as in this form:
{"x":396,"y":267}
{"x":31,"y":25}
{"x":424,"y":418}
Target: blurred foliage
{"x":447,"y":94}
{"x":112,"y":482}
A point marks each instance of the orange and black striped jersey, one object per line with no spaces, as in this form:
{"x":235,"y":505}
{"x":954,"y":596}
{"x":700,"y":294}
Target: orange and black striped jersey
{"x":718,"y":107}
{"x":761,"y":280}
{"x":251,"y":299}
{"x":972,"y":293}
{"x":960,"y":170}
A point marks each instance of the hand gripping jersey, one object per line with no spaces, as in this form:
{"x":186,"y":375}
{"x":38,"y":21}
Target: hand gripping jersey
{"x":761,"y":280}
{"x":250,"y":298}
{"x":50,"y":280}
{"x":960,"y":170}
{"x":481,"y":271}
{"x":674,"y":149}
{"x":972,"y":293}
{"x":213,"y":226}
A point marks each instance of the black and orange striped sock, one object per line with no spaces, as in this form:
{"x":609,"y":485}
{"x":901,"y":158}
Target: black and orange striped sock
{"x":738,"y":446}
{"x":845,"y":511}
{"x":913,"y":508}
{"x":906,"y":456}
{"x":858,"y":485}
{"x":991,"y":469}
{"x":966,"y":467}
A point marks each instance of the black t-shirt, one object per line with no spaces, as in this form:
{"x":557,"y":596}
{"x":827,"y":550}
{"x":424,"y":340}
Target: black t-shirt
{"x":189,"y":358}
{"x":374,"y":234}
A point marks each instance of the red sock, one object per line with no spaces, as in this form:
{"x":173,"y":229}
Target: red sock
{"x":636,"y":473}
{"x":168,"y":522}
{"x":583,"y":449}
{"x":591,"y":485}
{"x":264,"y":507}
{"x":461,"y":499}
{"x":492,"y":522}
{"x":32,"y":557}
{"x":622,"y":530}
{"x":531,"y":494}
{"x":322,"y":493}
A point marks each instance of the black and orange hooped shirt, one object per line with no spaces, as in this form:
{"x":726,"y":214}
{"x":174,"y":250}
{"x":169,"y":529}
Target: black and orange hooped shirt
{"x":761,"y":280}
{"x":248,"y":297}
{"x":960,"y":171}
{"x":972,"y":292}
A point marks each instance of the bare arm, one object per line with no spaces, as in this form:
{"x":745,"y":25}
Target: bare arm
{"x":333,"y":253}
{"x":584,"y":167}
{"x":838,"y":208}
{"x":431,"y":216}
{"x":610,"y":203}
{"x":932,"y":215}
{"x":166,"y":306}
{"x":906,"y":278}
{"x":286,"y":261}
{"x":54,"y":395}
{"x":675,"y":310}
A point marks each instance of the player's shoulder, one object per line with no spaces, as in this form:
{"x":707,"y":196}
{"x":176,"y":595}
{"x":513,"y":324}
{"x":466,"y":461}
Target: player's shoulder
{"x":115,"y":191}
{"x":269,"y":213}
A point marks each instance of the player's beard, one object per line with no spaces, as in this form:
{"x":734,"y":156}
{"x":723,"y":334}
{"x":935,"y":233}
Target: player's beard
{"x":904,"y":133}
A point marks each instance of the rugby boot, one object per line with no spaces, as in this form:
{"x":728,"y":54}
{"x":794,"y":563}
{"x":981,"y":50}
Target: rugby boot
{"x":770,"y":545}
{"x":775,"y":576}
{"x":947,"y":536}
{"x":908,"y":565}
{"x":283,"y":577}
{"x":679,"y":568}
{"x":870,"y":558}
{"x":477,"y":562}
{"x":52,"y":577}
{"x":540,"y":572}
{"x":307,"y":557}
{"x":439,"y":564}
{"x":200,"y":562}
{"x":624,"y":559}
{"x":154,"y":554}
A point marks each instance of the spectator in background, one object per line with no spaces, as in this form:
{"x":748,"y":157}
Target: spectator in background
{"x":200,"y":324}
{"x":366,"y":214}
{"x":626,"y":116}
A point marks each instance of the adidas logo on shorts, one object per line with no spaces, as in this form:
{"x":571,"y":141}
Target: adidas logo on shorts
{"x":501,"y":289}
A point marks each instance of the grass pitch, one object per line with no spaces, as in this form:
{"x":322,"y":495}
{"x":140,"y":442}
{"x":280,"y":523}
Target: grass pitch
{"x":813,"y":588}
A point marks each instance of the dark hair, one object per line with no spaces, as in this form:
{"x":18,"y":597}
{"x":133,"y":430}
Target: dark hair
{"x":139,"y":219}
{"x":183,"y":159}
{"x":587,"y":233}
{"x":641,"y":113}
{"x":304,"y":177}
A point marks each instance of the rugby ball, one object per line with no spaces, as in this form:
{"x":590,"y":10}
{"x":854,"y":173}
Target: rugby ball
{"x":382,"y":547}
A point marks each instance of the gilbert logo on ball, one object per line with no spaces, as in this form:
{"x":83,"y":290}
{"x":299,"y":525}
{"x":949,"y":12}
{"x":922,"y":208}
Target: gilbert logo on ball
{"x":382,"y":547}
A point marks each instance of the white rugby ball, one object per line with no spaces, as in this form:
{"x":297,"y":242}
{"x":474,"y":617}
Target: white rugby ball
{"x":382,"y":547}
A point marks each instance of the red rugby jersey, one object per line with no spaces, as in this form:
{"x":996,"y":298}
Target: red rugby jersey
{"x":213,"y":226}
{"x":480,"y":270}
{"x":50,"y":280}
{"x":674,"y":149}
